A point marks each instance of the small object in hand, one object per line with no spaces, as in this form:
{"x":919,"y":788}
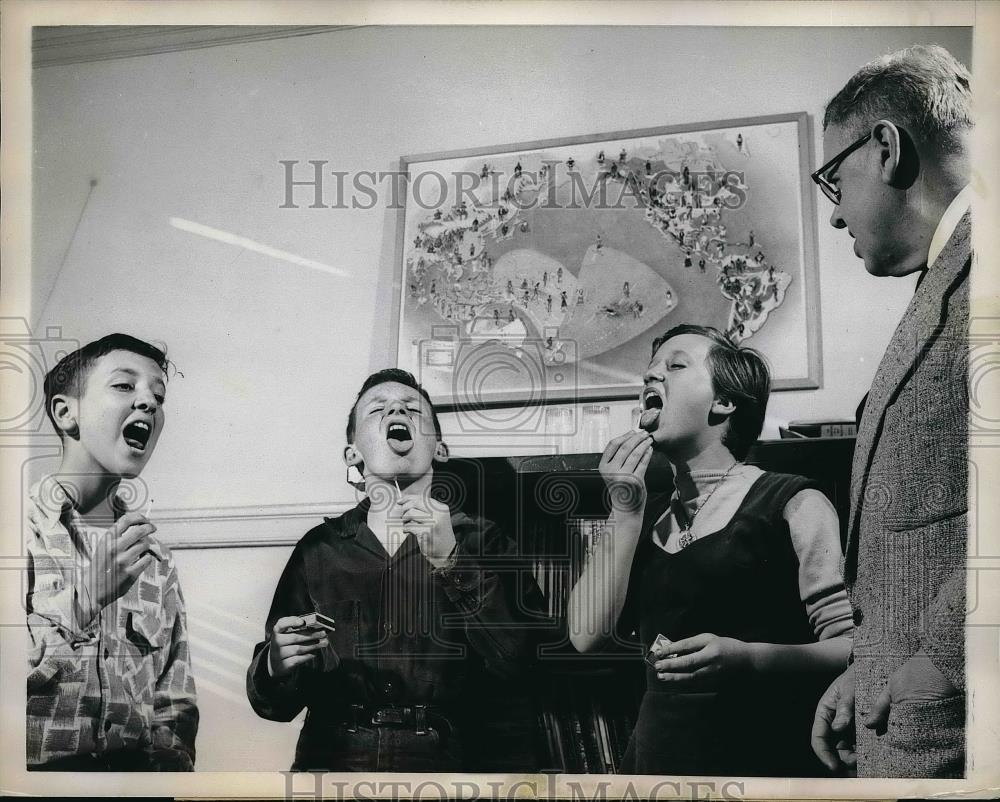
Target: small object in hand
{"x":636,"y":417}
{"x":154,"y":547}
{"x":155,"y":551}
{"x":316,"y":621}
{"x":658,"y":650}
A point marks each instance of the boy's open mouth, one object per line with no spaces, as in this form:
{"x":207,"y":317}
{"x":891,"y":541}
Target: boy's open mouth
{"x":137,"y":434}
{"x":652,"y":406}
{"x":399,"y":437}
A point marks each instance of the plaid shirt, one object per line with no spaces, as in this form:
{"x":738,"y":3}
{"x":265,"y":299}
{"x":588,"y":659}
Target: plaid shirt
{"x":119,"y":683}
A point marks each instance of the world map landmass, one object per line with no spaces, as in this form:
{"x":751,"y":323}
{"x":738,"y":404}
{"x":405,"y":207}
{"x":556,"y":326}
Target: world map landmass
{"x":587,"y":254}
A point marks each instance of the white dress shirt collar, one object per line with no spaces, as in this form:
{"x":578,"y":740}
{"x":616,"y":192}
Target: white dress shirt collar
{"x":949,"y":220}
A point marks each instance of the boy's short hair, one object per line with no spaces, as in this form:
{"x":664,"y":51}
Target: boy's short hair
{"x":739,"y":375}
{"x":385,"y":376}
{"x":70,"y":373}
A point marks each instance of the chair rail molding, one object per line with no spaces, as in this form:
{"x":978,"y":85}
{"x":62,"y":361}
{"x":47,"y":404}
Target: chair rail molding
{"x":243,"y":526}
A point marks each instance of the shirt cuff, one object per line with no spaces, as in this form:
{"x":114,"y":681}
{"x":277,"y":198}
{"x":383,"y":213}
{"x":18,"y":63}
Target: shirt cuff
{"x":266,"y":682}
{"x":460,"y":576}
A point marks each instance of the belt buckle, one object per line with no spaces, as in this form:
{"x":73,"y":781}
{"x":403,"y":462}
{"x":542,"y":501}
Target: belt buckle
{"x":388,"y":715}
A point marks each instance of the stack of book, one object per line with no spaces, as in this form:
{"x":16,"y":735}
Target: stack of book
{"x":818,"y":428}
{"x":585,"y":733}
{"x":584,"y":718}
{"x":557,"y":573}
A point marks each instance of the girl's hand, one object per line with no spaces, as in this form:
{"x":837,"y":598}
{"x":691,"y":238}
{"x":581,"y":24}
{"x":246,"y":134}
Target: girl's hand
{"x":623,"y":468}
{"x":704,"y":659}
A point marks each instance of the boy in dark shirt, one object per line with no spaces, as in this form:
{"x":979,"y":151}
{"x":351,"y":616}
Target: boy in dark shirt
{"x":421,"y":616}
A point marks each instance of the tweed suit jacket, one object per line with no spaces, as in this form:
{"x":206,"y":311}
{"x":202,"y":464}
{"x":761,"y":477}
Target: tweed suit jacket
{"x":904,"y":566}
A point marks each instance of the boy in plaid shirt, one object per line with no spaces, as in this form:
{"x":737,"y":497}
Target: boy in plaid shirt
{"x":109,"y":682}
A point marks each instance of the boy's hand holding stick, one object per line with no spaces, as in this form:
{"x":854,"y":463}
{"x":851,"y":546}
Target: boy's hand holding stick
{"x":122,"y":553}
{"x":429,"y":521}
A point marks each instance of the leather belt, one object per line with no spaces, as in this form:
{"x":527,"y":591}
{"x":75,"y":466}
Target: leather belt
{"x":419,"y":718}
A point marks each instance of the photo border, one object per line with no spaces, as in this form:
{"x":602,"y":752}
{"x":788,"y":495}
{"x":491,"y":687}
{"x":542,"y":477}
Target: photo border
{"x":984,"y":17}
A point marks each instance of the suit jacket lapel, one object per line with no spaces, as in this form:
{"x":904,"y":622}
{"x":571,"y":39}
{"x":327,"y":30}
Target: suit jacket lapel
{"x":917,"y":329}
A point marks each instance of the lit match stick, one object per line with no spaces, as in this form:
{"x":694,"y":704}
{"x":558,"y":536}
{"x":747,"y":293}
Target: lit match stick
{"x":154,"y":547}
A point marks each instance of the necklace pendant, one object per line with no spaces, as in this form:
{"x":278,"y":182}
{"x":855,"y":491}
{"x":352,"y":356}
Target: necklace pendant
{"x":686,"y":538}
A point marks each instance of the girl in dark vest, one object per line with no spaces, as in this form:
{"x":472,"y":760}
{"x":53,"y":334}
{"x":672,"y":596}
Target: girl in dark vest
{"x":731,"y":577}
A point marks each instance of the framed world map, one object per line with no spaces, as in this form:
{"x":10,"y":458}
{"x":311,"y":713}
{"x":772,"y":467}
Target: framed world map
{"x":542,"y":271}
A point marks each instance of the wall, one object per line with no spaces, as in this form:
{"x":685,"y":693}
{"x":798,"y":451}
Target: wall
{"x":272,"y":351}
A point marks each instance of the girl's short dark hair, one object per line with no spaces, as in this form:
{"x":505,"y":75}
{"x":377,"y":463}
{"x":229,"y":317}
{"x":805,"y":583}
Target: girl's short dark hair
{"x":739,"y":375}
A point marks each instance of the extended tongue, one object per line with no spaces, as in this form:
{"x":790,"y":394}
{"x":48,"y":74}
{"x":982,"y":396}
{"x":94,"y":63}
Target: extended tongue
{"x":400,"y":446}
{"x":136,"y":436}
{"x":648,"y":419}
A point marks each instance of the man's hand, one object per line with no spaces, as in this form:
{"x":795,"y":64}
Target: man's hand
{"x":701,"y":660}
{"x":917,"y":680}
{"x":289,"y":649}
{"x":623,"y":468}
{"x":833,"y":726}
{"x":120,"y":556}
{"x":429,"y":521}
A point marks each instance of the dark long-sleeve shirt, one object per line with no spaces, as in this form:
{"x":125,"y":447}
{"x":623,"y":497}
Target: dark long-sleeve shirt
{"x":407,"y":633}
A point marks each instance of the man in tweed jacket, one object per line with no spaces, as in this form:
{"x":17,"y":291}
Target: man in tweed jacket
{"x":896,"y":137}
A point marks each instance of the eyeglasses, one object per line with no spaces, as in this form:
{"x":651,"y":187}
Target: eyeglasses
{"x":831,"y":191}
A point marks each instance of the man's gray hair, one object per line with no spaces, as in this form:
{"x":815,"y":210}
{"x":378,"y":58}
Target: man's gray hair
{"x":922,"y":88}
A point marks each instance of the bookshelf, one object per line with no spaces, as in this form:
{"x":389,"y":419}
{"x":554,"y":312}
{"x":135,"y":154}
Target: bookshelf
{"x":554,"y":507}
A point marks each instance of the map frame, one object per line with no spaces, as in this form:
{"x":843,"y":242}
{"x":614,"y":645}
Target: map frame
{"x":538,"y":387}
